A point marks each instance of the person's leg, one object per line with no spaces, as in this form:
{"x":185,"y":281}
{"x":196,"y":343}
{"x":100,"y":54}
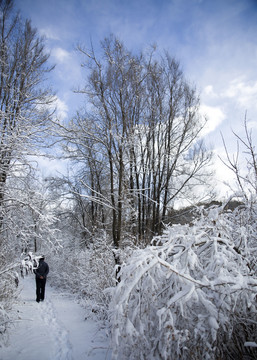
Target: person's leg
{"x":38,"y":289}
{"x":42,"y":290}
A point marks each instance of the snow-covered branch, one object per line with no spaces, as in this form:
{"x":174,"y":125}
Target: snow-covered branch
{"x":183,"y":296}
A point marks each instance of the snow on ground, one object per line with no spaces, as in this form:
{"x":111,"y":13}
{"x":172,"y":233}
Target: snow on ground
{"x":55,"y":329}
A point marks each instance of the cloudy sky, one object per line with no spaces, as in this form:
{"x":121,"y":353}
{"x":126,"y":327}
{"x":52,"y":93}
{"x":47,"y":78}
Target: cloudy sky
{"x":214,"y":40}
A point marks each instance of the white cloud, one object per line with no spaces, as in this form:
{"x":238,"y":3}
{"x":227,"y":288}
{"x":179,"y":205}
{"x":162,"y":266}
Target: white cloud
{"x":223,"y":178}
{"x":215,"y":117}
{"x":252,"y":124}
{"x":244,"y":92}
{"x":50,"y":167}
{"x":60,"y":54}
{"x":61,"y":109}
{"x":49,"y":33}
{"x":208,"y":90}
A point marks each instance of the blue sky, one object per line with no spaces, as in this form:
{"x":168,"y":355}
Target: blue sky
{"x":215,"y":41}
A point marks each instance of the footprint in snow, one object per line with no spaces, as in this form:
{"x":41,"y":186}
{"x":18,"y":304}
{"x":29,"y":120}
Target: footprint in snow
{"x":63,"y":347}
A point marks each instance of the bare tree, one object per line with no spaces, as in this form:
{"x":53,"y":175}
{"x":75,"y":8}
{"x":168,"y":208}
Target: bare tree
{"x":245,"y":170}
{"x":170,"y":149}
{"x":138,"y":141}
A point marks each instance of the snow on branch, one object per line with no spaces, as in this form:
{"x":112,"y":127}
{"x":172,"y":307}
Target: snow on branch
{"x":29,"y":263}
{"x":182,"y":297}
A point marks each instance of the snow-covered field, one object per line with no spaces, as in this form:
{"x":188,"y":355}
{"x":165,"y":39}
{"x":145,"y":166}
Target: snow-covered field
{"x":55,"y":329}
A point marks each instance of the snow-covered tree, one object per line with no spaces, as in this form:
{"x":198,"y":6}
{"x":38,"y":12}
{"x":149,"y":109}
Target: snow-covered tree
{"x":24,"y":118}
{"x":191,"y":294}
{"x":86,"y":271}
{"x":23,"y":98}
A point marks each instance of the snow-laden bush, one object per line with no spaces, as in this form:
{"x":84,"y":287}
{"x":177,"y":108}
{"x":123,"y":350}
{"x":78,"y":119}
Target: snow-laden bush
{"x":8,"y":292}
{"x":191,"y":295}
{"x":10,"y":269}
{"x":85,"y":272}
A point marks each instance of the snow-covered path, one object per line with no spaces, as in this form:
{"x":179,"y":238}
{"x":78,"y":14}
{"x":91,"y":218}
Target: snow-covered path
{"x":53,"y":330}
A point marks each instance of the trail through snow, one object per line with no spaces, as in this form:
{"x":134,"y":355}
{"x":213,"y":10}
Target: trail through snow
{"x":55,"y":329}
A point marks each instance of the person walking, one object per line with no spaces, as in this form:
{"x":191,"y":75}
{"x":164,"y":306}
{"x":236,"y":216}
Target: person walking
{"x":41,"y":273}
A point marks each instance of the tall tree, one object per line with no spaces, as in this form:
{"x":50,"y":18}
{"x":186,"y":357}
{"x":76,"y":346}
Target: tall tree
{"x":141,"y":130}
{"x":25,"y":219}
{"x":23,"y":66}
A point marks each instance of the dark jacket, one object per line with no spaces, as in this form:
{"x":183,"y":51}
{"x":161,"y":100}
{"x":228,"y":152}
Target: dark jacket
{"x":42,"y":270}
